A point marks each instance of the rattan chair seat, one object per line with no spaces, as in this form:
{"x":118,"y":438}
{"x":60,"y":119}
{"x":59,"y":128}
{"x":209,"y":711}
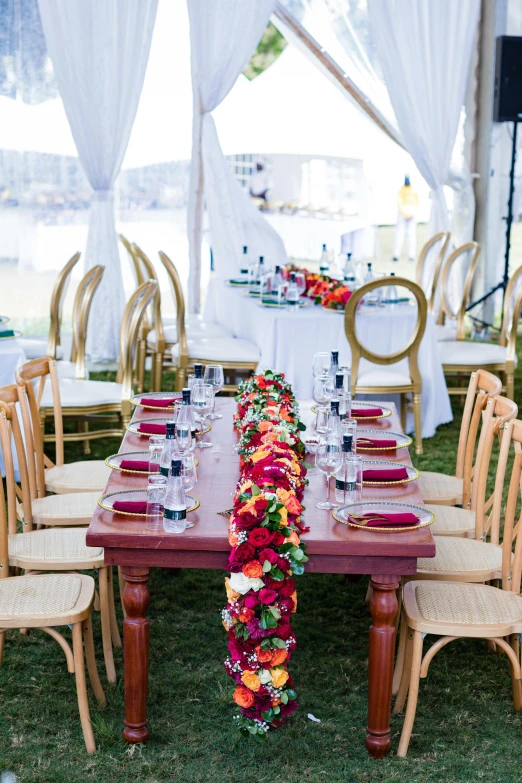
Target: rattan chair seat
{"x":468,"y":604}
{"x":440,"y":488}
{"x":462,"y":555}
{"x":72,"y":509}
{"x":56,"y":545}
{"x":48,"y":595}
{"x":452,"y":521}
{"x":83,"y":476}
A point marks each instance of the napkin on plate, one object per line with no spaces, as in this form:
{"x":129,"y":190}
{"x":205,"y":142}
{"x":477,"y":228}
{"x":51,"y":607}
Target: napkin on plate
{"x":366,"y":412}
{"x":131,"y":506}
{"x":374,"y":519}
{"x":134,"y":464}
{"x":376,"y":443}
{"x":385,"y":474}
{"x":7,"y":333}
{"x":159,"y":402}
{"x":149,"y":428}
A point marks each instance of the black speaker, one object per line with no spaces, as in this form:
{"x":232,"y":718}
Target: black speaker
{"x":508,"y":79}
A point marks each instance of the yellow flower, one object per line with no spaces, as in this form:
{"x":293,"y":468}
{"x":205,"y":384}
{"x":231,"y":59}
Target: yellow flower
{"x":252,"y":681}
{"x":231,"y":594}
{"x":284,"y":516}
{"x":279,"y":677}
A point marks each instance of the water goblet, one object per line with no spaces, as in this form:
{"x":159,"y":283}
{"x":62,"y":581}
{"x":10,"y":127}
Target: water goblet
{"x":189,"y":476}
{"x":156,"y":491}
{"x":202,"y":393}
{"x":300,"y":281}
{"x":321,"y":363}
{"x":215,"y":376}
{"x":328,"y":459}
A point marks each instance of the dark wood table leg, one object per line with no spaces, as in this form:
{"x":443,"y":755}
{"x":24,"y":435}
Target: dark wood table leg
{"x":383,"y":608}
{"x":136,"y":652}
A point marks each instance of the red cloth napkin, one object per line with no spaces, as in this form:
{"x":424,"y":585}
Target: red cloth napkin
{"x":152,"y":429}
{"x":376,"y":443}
{"x":134,"y":464}
{"x":366,"y":412}
{"x":159,"y":402}
{"x":374,"y":519}
{"x":385,"y":474}
{"x":133,"y":506}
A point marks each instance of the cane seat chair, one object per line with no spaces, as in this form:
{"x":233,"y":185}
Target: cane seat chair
{"x":99,"y":401}
{"x":454,"y":610}
{"x":463,"y":356}
{"x":456,"y":280}
{"x":446,"y":490}
{"x":384,"y":374}
{"x":55,"y":548}
{"x":52,"y":347}
{"x":429,"y":264}
{"x":235,"y":355}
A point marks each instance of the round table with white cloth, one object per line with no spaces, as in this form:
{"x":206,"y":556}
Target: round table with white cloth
{"x":288,"y":342}
{"x":12,"y":356}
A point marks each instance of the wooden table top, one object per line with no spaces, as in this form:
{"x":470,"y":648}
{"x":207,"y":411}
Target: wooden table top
{"x":218,"y":473}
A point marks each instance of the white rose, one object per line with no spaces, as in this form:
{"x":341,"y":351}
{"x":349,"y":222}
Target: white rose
{"x":264,"y":676}
{"x":242,"y":584}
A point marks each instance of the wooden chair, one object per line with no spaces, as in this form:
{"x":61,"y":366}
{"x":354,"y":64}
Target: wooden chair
{"x":389,"y":380}
{"x":463,"y":356}
{"x":97,"y":401}
{"x":428,"y":268}
{"x":455,"y":298}
{"x":235,"y":355}
{"x":57,"y":548}
{"x":52,"y":347}
{"x":453,"y":610}
{"x":442,"y":489}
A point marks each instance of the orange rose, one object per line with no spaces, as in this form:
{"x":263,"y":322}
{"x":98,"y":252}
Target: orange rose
{"x":251,"y":680}
{"x":246,"y":615}
{"x":294,"y":599}
{"x":243,"y":696}
{"x":263,"y":426}
{"x":279,"y":677}
{"x":278,"y":656}
{"x":293,"y":505}
{"x":263,"y":655}
{"x":276,"y":702}
{"x":232,"y":538}
{"x":253,"y":569}
{"x":294,"y":538}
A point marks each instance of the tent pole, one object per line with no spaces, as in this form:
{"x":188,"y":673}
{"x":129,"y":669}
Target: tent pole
{"x":294,"y":31}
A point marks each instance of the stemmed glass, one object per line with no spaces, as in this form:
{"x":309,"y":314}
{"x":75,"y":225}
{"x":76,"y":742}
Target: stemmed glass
{"x":215,"y":376}
{"x":322,"y":394}
{"x":328,"y":459}
{"x":321,"y":364}
{"x":189,"y":476}
{"x":300,"y":281}
{"x":202,"y":400}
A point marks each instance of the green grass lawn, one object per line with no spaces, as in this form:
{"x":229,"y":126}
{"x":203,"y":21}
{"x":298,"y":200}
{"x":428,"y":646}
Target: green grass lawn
{"x":466,"y":727}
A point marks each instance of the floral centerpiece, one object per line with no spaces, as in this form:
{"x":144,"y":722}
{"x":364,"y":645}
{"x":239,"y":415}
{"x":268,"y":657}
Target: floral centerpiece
{"x":265,"y":531}
{"x":336,"y":297}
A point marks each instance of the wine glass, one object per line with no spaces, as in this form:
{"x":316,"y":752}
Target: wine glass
{"x":189,"y":476}
{"x":202,"y":396}
{"x":300,"y":281}
{"x":215,"y":376}
{"x":321,"y":363}
{"x":328,"y":459}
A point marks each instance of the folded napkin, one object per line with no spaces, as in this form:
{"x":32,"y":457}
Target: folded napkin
{"x":7,"y":333}
{"x":134,"y":464}
{"x":131,"y":506}
{"x":376,"y":443}
{"x":366,"y":412}
{"x":159,"y":402}
{"x":373,"y":519}
{"x":385,"y":474}
{"x":149,"y":428}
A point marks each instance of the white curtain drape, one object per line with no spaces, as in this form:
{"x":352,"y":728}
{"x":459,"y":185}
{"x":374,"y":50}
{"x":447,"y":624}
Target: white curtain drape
{"x":223,"y":37}
{"x":425,"y":48}
{"x":99,"y":50}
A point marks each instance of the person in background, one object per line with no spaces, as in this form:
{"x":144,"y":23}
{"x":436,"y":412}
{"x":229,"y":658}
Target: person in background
{"x":408,"y":204}
{"x":259,"y":182}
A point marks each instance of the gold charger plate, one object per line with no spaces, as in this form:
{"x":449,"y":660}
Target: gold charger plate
{"x":4,"y":319}
{"x":426,"y":518}
{"x":133,"y":426}
{"x":384,"y":415}
{"x":107,"y":500}
{"x":137,"y":400}
{"x":403,"y":441}
{"x":413,"y":473}
{"x":113,"y":462}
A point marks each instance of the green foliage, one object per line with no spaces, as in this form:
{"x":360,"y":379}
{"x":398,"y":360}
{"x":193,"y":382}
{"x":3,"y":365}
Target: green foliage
{"x":268,"y":50}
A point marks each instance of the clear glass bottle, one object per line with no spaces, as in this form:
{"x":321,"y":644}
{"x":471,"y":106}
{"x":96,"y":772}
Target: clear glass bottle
{"x":324,"y":262}
{"x":333,"y":422}
{"x":276,"y":281}
{"x":368,"y":277}
{"x":198,"y":372}
{"x":346,"y":476}
{"x":175,"y":501}
{"x":349,"y":277}
{"x":334,"y":364}
{"x":392,"y":296}
{"x":186,"y":415}
{"x":244,"y":262}
{"x":344,"y":397}
{"x":292,"y":295}
{"x":374,"y":297}
{"x":169,"y":447}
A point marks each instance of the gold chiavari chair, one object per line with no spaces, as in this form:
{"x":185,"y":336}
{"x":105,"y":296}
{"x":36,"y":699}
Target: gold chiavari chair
{"x":428,"y":269}
{"x":235,"y":355}
{"x":99,"y":401}
{"x":453,"y":610}
{"x":152,"y":341}
{"x":60,"y":548}
{"x":455,"y":291}
{"x":445,"y":490}
{"x":383,"y":378}
{"x":34,"y":348}
{"x":464,"y":356}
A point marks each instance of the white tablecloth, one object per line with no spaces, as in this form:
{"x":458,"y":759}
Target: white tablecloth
{"x":289,"y":341}
{"x":11,"y":357}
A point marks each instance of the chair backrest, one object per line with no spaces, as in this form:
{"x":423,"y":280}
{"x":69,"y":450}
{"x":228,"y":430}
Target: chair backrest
{"x":82,"y":307}
{"x":10,"y":441}
{"x":179,"y":298}
{"x":129,"y":330}
{"x":136,"y":266}
{"x":482,"y":386}
{"x":512,"y":308}
{"x":429,"y":264}
{"x":156,"y":321}
{"x":409,"y":351}
{"x":57,"y":300}
{"x":35,"y":373}
{"x":455,"y":293}
{"x":511,"y":565}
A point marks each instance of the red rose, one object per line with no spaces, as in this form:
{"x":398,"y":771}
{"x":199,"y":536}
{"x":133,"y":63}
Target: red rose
{"x":261,"y":505}
{"x":268,"y":554}
{"x":278,"y":539}
{"x":287,"y":588}
{"x":260,"y":537}
{"x":284,"y":631}
{"x":267,"y":596}
{"x":272,"y":583}
{"x":286,"y":605}
{"x":244,"y":552}
{"x":282,"y":564}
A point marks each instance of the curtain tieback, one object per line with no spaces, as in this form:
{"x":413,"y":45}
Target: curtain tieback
{"x":103,"y":195}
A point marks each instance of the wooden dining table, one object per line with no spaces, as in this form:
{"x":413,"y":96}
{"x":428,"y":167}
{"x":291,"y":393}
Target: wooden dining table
{"x":333,"y":547}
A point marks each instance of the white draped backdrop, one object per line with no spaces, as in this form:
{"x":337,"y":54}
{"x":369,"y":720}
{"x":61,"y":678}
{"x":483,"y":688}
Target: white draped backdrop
{"x":99,"y":50}
{"x":425,"y":48}
{"x":223,"y":36}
